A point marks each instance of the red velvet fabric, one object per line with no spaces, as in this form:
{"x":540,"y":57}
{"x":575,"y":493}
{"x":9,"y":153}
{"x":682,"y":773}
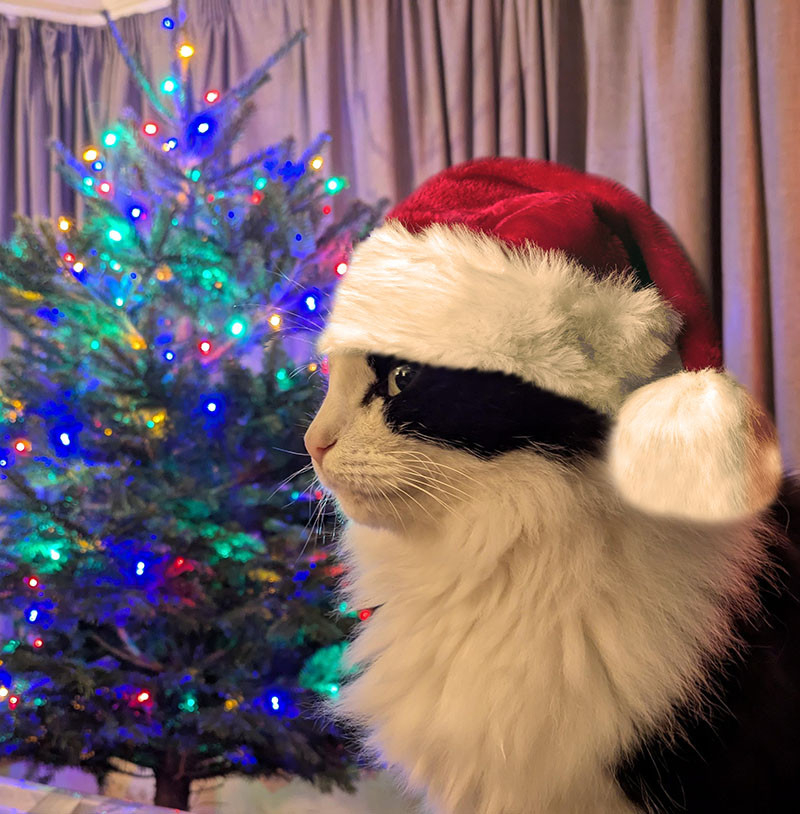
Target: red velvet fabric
{"x":598,"y":222}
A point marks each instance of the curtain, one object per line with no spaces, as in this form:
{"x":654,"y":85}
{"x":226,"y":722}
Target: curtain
{"x":690,"y":103}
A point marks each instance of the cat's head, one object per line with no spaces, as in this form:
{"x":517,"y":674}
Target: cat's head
{"x":401,"y":443}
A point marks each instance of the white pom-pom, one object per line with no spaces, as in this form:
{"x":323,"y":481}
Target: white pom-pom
{"x":696,"y":446}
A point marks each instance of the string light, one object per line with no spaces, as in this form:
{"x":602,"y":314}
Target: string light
{"x":143,"y":697}
{"x":78,"y":267}
{"x":22,"y":445}
{"x":169,"y":85}
{"x":3,"y":692}
{"x":32,"y":582}
{"x":13,"y":701}
{"x":110,"y":138}
{"x":363,"y":615}
{"x":98,"y":165}
{"x":236,"y":328}
{"x":256,"y":198}
{"x":150,"y":128}
{"x":204,"y":346}
{"x":88,"y":182}
{"x":119,"y":302}
{"x":64,"y":224}
{"x":54,"y":554}
{"x":33,"y":615}
{"x":275,"y":321}
{"x":168,"y":23}
{"x":335,"y":185}
{"x":115,"y":235}
{"x":211,"y":406}
{"x":169,"y":355}
{"x":65,"y":439}
{"x":136,"y":212}
{"x":38,"y":643}
{"x":105,"y":187}
{"x":90,"y":154}
{"x":260,"y":183}
{"x":275,"y":701}
{"x":211,"y":96}
{"x":140,"y":568}
{"x":69,"y":257}
{"x":185,"y":50}
{"x":316,"y":162}
{"x":341,"y":268}
{"x":311,"y":304}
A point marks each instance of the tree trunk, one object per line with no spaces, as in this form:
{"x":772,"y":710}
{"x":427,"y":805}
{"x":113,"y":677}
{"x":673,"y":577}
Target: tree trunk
{"x":172,"y":791}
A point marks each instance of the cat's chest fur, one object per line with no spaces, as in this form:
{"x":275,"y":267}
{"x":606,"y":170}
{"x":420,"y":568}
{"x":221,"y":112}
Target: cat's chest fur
{"x":519,"y":650}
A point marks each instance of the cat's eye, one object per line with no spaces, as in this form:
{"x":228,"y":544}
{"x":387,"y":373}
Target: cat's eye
{"x":400,"y":377}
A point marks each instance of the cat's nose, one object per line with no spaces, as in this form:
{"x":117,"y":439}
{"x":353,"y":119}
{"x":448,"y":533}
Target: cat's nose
{"x":317,"y":447}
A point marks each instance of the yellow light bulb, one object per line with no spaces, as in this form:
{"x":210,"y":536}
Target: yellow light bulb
{"x":64,"y":224}
{"x":90,"y":154}
{"x":275,"y":320}
{"x":185,"y":50}
{"x":316,"y":162}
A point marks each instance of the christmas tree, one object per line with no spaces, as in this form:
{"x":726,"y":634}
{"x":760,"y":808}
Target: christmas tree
{"x":161,"y":559}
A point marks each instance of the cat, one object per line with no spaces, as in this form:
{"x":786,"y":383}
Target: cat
{"x":537,"y":645}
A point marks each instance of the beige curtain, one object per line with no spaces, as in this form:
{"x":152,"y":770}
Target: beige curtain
{"x":693,"y":104}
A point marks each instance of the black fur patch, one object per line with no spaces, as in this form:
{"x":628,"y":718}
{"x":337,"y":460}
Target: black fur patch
{"x":744,"y":758}
{"x":485,"y":413}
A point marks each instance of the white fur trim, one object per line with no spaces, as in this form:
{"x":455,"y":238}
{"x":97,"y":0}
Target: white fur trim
{"x":695,"y":445}
{"x":452,"y":297}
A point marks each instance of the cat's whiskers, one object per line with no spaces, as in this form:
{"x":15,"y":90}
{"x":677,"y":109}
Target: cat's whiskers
{"x":430,"y":460}
{"x":300,"y":471}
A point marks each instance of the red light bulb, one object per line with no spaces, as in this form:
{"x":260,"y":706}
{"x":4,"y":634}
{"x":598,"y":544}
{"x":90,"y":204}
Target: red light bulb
{"x":143,"y":697}
{"x":326,"y":210}
{"x":32,"y":582}
{"x":211,"y":96}
{"x":204,"y":346}
{"x":38,"y":643}
{"x":363,"y":615}
{"x":105,"y":187}
{"x":341,"y":269}
{"x":69,"y":257}
{"x":13,"y":700}
{"x":150,"y":128}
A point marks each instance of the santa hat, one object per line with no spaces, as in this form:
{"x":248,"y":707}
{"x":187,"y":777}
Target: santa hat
{"x":572,"y":283}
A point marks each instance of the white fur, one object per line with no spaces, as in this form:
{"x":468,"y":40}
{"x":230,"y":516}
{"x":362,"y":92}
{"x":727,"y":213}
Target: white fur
{"x":450,"y":296}
{"x":695,"y":445}
{"x":532,"y":627}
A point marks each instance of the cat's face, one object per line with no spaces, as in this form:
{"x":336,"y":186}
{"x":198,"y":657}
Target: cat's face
{"x":400,"y":443}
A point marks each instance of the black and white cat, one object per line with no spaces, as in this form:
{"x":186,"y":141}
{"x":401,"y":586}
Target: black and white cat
{"x":539,"y":645}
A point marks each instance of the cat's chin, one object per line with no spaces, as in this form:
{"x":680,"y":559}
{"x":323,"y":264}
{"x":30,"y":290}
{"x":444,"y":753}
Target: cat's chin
{"x":385,"y":511}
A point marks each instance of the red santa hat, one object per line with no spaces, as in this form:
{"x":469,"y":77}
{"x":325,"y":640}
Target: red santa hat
{"x":565,"y":279}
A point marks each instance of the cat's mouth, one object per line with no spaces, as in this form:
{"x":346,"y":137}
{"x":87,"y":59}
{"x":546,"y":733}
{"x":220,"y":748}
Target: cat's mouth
{"x":343,"y":488}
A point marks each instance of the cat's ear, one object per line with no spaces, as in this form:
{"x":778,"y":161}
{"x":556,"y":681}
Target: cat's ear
{"x":695,"y":445}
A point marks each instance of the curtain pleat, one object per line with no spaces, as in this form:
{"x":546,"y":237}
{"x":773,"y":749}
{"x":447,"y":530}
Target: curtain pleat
{"x":693,"y":104}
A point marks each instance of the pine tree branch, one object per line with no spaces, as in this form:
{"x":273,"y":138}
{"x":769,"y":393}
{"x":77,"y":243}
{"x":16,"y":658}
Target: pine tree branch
{"x":126,"y":655}
{"x":136,"y":70}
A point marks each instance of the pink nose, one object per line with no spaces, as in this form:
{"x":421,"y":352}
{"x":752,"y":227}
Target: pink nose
{"x":315,"y":449}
